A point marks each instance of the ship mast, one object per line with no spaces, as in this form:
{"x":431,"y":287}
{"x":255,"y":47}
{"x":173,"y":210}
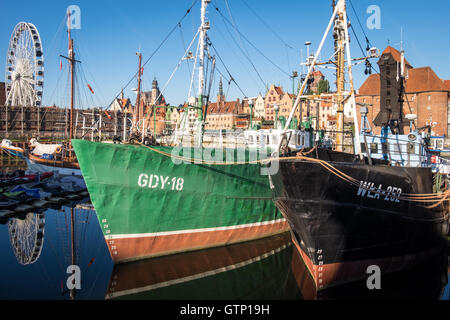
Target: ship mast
{"x":204,"y":27}
{"x":339,"y":48}
{"x":72,"y":74}
{"x":342,"y":55}
{"x":138,"y":114}
{"x":72,"y":61}
{"x":72,"y":237}
{"x":343,"y":42}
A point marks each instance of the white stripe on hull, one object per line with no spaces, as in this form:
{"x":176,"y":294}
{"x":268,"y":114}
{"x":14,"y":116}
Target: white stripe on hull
{"x":167,"y":233}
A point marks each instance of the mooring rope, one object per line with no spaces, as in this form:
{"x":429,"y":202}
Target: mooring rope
{"x":437,"y":198}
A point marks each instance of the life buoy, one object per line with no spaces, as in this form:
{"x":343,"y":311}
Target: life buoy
{"x":58,"y":149}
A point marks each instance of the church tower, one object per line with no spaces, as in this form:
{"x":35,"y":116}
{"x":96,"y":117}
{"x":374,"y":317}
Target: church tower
{"x":155,"y":91}
{"x":220,"y":95}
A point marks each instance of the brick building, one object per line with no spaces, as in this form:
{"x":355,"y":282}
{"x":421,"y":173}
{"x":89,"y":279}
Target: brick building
{"x":2,"y":94}
{"x":222,"y":114}
{"x":317,"y":76}
{"x":426,"y":95}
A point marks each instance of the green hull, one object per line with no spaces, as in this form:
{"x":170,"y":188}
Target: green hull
{"x":150,"y":204}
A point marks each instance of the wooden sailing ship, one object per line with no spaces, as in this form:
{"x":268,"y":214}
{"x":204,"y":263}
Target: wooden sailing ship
{"x":58,"y":157}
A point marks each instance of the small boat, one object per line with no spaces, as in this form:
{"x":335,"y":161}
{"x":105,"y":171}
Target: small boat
{"x":52,"y":157}
{"x":12,"y":150}
{"x":20,"y":178}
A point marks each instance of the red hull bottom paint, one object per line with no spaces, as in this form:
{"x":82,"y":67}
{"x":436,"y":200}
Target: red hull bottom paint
{"x":140,"y":247}
{"x":334,"y":274}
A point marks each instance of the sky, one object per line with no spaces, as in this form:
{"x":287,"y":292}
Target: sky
{"x":267,"y":49}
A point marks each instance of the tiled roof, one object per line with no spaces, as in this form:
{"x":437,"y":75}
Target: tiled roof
{"x":419,"y":80}
{"x":224,"y":107}
{"x":279,"y":90}
{"x":371,"y":86}
{"x":396,"y":55}
{"x":317,"y":73}
{"x":447,"y":84}
{"x":424,"y":79}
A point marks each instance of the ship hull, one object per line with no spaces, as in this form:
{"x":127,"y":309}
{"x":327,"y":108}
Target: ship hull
{"x":341,"y":229}
{"x":148,"y":204}
{"x":35,"y":165}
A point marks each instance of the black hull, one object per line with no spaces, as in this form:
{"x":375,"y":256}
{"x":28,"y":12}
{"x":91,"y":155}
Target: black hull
{"x":339,"y":232}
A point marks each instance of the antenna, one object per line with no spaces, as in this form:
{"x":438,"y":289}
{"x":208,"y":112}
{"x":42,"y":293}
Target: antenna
{"x":401,"y":38}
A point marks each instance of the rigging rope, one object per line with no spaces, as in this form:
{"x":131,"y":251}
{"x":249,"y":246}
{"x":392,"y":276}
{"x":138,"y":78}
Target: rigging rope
{"x":154,"y":52}
{"x":246,"y":39}
{"x":371,"y":66}
{"x":239,"y":47}
{"x":231,"y":77}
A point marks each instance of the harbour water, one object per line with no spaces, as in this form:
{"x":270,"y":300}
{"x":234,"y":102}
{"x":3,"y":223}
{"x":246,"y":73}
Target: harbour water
{"x":37,"y":250}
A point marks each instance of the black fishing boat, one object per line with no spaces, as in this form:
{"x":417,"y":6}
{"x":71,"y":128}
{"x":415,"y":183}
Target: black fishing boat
{"x":341,"y":228}
{"x":351,"y":211}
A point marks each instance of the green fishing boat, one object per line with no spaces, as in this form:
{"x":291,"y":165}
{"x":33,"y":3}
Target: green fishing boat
{"x":148,"y":204}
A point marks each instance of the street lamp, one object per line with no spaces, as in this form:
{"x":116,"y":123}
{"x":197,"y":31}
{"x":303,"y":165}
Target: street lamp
{"x":309,"y":58}
{"x":294,"y":75}
{"x":276,"y":108}
{"x":250,"y":104}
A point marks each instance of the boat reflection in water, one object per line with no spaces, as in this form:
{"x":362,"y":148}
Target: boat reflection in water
{"x":40,"y":248}
{"x":425,"y":281}
{"x":259,"y":269}
{"x":269,"y":268}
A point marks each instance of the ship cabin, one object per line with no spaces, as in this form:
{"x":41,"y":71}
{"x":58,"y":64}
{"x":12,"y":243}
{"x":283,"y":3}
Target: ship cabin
{"x":270,"y":138}
{"x":399,"y":149}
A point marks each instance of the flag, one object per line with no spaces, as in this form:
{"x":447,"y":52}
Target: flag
{"x":90,"y":88}
{"x":60,"y":64}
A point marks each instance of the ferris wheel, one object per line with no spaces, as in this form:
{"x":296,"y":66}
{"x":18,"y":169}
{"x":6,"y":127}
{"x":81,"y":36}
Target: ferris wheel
{"x":24,"y":67}
{"x":26,"y":237}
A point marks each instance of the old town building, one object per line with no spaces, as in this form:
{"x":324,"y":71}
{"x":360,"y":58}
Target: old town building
{"x":121,"y":104}
{"x":222,"y":115}
{"x":427,"y":96}
{"x":317,"y":76}
{"x":272,"y":98}
{"x":154,"y":108}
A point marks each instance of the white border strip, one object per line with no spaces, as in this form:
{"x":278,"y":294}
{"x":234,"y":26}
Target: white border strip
{"x":168,"y":233}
